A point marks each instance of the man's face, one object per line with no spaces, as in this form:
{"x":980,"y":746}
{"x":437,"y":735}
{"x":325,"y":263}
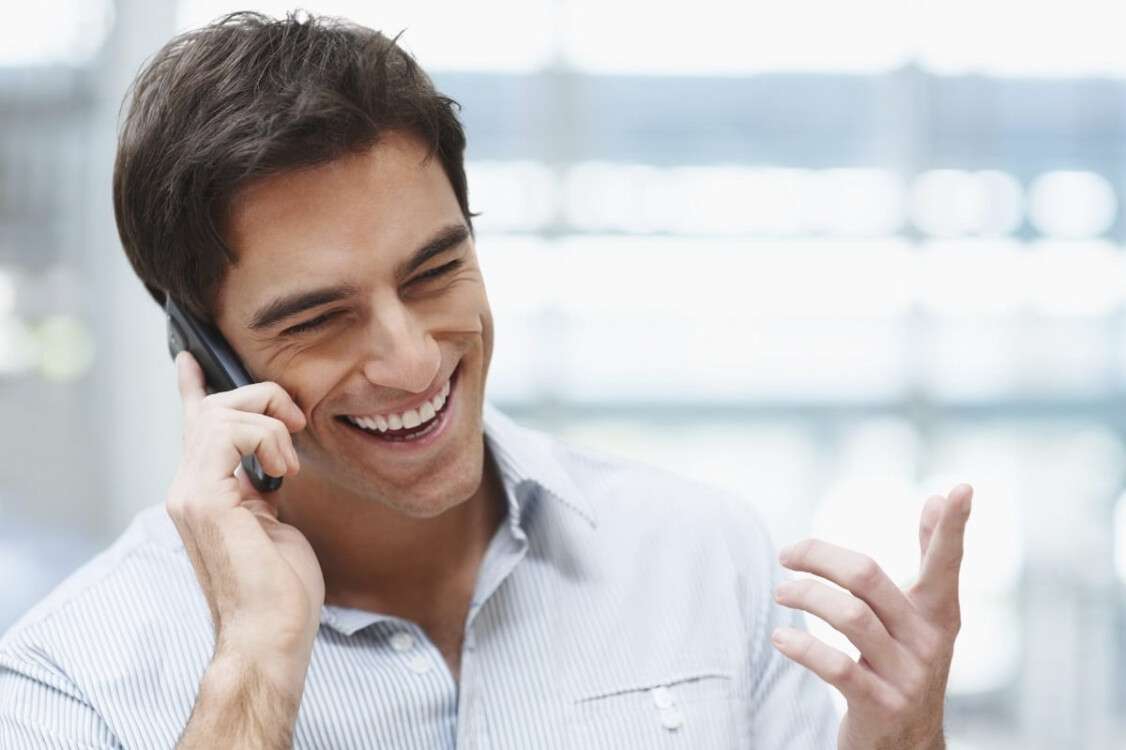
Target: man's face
{"x":392,"y":332}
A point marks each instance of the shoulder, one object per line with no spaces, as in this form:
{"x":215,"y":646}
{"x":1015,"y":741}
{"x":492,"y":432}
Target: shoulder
{"x":651,"y":498}
{"x":639,"y":507}
{"x":618,"y":490}
{"x":118,"y":607}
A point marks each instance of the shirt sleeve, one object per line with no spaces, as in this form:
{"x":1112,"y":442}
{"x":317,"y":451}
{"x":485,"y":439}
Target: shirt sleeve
{"x":790,"y":707}
{"x":41,"y":709}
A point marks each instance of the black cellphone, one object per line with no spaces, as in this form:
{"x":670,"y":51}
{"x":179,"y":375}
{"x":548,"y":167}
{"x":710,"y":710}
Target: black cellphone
{"x":222,"y":369}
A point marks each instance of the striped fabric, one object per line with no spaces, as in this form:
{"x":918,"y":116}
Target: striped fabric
{"x":618,"y":606}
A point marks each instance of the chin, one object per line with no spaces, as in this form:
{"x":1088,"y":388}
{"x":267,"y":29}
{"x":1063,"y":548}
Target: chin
{"x":434,"y":503}
{"x":454,"y":483}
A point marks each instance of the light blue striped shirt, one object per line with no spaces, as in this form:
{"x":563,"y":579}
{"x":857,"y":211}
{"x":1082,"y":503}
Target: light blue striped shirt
{"x":618,"y":606}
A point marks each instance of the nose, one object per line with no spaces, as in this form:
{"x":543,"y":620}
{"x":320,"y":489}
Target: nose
{"x":403,"y":354}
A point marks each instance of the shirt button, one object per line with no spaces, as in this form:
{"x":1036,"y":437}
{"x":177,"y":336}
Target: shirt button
{"x":672,"y":719}
{"x":419,"y":664}
{"x":402,"y":641}
{"x":662,"y":697}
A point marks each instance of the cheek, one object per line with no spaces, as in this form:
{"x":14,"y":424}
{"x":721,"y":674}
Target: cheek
{"x":463,"y":309}
{"x":310,"y":380}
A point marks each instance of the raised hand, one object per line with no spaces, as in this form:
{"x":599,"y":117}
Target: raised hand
{"x":259,"y":576}
{"x":896,"y":690}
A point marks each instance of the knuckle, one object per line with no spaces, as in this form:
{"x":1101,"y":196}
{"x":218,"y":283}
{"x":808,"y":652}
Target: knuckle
{"x":856,"y":615}
{"x":279,"y":428}
{"x":283,"y":442}
{"x":842,"y":671}
{"x":277,"y":392}
{"x":867,"y":573}
{"x":945,"y":627}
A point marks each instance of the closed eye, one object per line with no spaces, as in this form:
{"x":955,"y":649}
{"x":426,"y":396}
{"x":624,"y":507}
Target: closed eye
{"x":321,"y":320}
{"x":311,"y":325}
{"x":439,"y":271}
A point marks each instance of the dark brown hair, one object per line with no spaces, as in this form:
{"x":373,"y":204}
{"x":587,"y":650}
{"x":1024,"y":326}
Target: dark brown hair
{"x":249,"y":96}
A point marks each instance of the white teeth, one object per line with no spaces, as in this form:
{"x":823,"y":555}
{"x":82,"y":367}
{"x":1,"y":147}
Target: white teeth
{"x":410,"y":418}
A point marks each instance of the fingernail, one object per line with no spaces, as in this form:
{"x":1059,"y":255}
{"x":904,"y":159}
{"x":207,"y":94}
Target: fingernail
{"x":781,"y":590}
{"x":786,"y":554}
{"x":780,"y":637}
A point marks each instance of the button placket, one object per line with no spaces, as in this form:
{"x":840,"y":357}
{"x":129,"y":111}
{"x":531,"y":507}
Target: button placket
{"x":407,"y":644}
{"x":419,"y":663}
{"x":402,"y":641}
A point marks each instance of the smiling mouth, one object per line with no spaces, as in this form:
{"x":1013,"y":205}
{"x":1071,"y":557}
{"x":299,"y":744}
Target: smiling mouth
{"x":409,"y":434}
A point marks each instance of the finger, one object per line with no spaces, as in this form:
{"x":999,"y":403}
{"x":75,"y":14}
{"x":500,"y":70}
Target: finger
{"x":265,"y":397}
{"x":937,"y":588}
{"x":243,"y":439}
{"x":856,"y":683}
{"x":189,"y":378}
{"x":253,"y":500}
{"x":849,"y":615}
{"x":932,"y":511}
{"x":278,"y":434}
{"x":860,"y":575}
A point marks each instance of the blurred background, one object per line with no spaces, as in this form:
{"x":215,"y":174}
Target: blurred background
{"x":833,"y":256}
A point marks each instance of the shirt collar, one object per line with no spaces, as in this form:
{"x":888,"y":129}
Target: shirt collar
{"x":527,"y":460}
{"x":526,"y":456}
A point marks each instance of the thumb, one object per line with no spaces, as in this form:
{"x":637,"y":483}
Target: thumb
{"x":937,"y":587}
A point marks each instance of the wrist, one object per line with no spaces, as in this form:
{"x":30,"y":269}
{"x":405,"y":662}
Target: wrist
{"x":242,"y":705}
{"x":280,"y":670}
{"x":265,"y":644}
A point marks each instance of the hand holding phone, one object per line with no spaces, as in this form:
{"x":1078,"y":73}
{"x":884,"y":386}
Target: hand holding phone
{"x":222,"y":370}
{"x":260,"y":576}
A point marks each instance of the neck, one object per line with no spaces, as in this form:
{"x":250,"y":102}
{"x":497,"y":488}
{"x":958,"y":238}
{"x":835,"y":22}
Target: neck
{"x":378,"y":559}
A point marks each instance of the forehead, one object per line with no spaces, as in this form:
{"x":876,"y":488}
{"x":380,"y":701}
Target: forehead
{"x":332,"y":222}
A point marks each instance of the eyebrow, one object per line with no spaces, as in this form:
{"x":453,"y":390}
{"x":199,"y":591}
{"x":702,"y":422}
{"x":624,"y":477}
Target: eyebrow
{"x":287,"y":306}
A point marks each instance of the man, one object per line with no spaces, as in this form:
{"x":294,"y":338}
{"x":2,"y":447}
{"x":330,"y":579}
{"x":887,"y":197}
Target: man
{"x":429,"y":574}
